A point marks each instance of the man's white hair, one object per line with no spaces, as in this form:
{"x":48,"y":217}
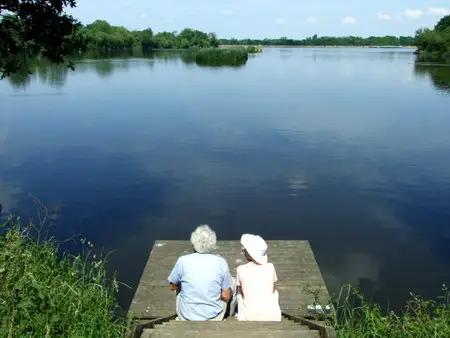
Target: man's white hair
{"x":203,"y":239}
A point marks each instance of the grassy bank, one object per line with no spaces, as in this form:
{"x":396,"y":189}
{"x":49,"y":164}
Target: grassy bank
{"x":356,"y":317}
{"x":47,"y":293}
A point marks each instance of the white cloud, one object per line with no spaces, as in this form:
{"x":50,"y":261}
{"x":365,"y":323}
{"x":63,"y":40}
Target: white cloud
{"x":9,"y":196}
{"x":383,"y":16}
{"x":311,"y":20}
{"x":228,"y":12}
{"x":413,"y":13}
{"x":438,"y":11}
{"x":143,"y":15}
{"x":280,"y":21}
{"x":349,"y":20}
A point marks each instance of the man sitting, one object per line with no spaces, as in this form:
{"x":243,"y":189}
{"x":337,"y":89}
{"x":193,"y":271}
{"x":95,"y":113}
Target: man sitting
{"x":203,"y":280}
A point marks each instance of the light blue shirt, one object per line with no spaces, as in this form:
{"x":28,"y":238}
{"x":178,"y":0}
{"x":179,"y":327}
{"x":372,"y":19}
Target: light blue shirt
{"x":202,"y":278}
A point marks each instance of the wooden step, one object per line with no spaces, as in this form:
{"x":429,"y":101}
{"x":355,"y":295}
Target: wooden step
{"x":237,"y":325}
{"x":230,"y":328}
{"x":230,"y":334}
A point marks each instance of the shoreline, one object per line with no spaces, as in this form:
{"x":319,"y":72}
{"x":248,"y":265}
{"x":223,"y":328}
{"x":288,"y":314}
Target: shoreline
{"x":330,"y":46}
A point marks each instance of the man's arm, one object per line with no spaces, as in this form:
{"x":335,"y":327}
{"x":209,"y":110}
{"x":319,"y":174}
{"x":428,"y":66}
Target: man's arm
{"x":174,"y":287}
{"x":175,"y":276}
{"x":226,"y":292}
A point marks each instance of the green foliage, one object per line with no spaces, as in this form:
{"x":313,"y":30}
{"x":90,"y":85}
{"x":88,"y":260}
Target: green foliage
{"x":46,"y":293}
{"x":433,"y":41}
{"x":101,"y":35}
{"x":145,"y":37}
{"x":326,"y":41}
{"x":221,"y":57}
{"x":192,"y":38}
{"x":355,"y":317}
{"x":165,"y":40}
{"x":254,"y":49}
{"x":36,"y":26}
{"x":443,"y":24}
{"x":436,"y":41}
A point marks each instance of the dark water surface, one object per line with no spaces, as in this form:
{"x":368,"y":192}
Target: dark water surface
{"x":348,"y":148}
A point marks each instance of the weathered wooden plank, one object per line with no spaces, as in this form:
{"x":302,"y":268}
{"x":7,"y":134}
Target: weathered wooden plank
{"x":294,"y":262}
{"x":226,"y":334}
{"x":325,"y":331}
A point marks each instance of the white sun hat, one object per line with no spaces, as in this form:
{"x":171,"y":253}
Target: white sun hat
{"x":256,"y":247}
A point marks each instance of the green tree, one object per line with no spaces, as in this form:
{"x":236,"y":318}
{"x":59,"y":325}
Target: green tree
{"x":146,"y":38}
{"x":165,"y":40}
{"x":214,"y":42}
{"x":436,"y":42}
{"x":36,"y":26}
{"x":101,"y":35}
{"x":443,"y":24}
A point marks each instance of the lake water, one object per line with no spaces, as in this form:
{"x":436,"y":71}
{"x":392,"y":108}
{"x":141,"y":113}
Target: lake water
{"x":347,"y":148}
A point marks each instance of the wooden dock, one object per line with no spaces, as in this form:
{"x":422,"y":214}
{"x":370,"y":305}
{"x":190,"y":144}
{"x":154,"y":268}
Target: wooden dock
{"x":298,"y":273}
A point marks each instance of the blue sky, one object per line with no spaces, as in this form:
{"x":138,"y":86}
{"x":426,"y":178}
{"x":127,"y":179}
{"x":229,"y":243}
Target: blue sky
{"x":269,"y":18}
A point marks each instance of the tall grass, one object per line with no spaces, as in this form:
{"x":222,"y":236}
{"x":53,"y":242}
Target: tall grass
{"x":355,"y":317}
{"x":254,"y":49}
{"x":222,"y":56}
{"x":47,"y":293}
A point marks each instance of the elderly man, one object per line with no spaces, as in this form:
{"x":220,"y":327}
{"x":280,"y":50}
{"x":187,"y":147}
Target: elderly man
{"x":203,"y":280}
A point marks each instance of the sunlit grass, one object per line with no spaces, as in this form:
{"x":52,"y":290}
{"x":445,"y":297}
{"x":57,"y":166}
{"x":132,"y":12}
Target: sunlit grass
{"x":48,"y":293}
{"x":354,"y":316}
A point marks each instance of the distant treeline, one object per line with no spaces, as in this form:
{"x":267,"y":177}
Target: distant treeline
{"x":326,"y":41}
{"x":101,"y":35}
{"x":435,"y":42}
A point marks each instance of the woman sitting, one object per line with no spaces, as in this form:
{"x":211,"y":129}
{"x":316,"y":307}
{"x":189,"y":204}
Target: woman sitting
{"x":257,"y":296}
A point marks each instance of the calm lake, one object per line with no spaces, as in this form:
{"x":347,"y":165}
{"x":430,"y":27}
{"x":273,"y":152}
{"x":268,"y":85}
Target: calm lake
{"x":347,"y":148}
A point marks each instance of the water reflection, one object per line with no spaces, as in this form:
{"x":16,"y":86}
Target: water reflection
{"x":438,"y":74}
{"x":349,"y":152}
{"x":112,"y":199}
{"x":104,"y":64}
{"x":39,"y":69}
